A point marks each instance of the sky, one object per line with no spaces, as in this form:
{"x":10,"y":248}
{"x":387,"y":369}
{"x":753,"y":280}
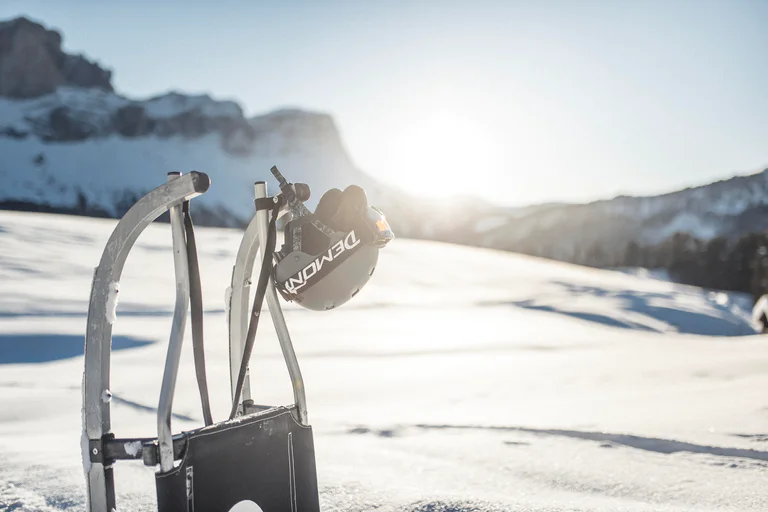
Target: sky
{"x":516,"y":102}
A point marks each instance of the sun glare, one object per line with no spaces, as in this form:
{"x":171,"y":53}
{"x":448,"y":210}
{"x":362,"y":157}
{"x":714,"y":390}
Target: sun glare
{"x":445,"y":154}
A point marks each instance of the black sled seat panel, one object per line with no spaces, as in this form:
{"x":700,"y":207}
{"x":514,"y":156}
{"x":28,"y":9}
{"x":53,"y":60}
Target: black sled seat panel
{"x":265,"y":458}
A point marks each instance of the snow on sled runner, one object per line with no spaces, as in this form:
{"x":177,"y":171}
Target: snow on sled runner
{"x":261,"y":458}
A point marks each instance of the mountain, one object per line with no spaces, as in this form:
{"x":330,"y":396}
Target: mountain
{"x":599,"y":233}
{"x":69,"y":143}
{"x":712,"y":236}
{"x":32,"y":62}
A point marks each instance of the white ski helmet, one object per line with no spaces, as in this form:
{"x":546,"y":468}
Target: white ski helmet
{"x":329,"y":255}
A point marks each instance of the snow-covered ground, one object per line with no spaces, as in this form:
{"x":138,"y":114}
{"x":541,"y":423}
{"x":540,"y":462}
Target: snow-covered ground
{"x":459,"y":379}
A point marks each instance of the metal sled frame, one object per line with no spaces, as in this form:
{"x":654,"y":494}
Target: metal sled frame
{"x":255,"y":240}
{"x":98,"y":337}
{"x":103,"y":448}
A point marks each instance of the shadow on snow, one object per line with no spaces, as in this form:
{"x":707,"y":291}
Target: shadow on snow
{"x":44,"y":348}
{"x":651,"y":444}
{"x":719,"y":321}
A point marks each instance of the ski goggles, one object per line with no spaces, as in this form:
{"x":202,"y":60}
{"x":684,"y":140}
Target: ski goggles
{"x":376,"y":229}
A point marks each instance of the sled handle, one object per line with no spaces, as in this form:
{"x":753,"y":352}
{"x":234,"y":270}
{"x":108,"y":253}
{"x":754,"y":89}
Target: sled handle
{"x":172,"y":358}
{"x":98,"y":337}
{"x":255,"y":239}
{"x":276,"y":312}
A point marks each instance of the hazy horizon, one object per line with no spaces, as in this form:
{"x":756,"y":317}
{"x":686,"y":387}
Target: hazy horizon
{"x":517,"y":102}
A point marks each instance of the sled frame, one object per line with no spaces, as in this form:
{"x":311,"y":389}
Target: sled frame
{"x":255,"y":240}
{"x":98,"y":337}
{"x":100,"y":447}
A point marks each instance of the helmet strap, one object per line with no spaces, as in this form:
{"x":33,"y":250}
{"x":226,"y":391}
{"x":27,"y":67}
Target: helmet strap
{"x":261,"y":289}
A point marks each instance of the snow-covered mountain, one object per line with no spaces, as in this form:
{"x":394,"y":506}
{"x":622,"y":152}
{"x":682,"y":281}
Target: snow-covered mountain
{"x":80,"y":147}
{"x":95,"y":151}
{"x":599,"y":233}
{"x":69,"y":143}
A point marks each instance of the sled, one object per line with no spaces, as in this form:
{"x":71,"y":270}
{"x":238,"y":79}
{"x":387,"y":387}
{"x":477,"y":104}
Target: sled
{"x":262,"y":458}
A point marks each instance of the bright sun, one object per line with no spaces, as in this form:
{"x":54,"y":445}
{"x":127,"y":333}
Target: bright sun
{"x":445,"y":154}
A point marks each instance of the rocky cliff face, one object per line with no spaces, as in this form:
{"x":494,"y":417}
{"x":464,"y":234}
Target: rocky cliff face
{"x":69,"y":143}
{"x":73,"y":114}
{"x":60,"y":98}
{"x":32,"y":63}
{"x":94,"y":152}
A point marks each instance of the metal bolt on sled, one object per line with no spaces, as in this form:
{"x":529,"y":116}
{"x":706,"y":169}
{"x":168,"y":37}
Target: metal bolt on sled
{"x":261,"y":458}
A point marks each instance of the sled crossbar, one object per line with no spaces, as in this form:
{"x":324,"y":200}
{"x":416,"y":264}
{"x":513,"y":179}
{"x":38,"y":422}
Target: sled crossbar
{"x":98,"y":337}
{"x":110,"y":449}
{"x":136,"y":448}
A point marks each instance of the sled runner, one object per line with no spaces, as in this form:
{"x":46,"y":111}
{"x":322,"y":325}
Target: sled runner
{"x":261,"y":458}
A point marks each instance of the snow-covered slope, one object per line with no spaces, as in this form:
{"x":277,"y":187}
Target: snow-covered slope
{"x":97,"y":151}
{"x":459,"y":379}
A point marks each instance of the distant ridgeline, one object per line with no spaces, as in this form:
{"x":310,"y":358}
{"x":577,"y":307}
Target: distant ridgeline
{"x":70,"y":144}
{"x":712,"y":236}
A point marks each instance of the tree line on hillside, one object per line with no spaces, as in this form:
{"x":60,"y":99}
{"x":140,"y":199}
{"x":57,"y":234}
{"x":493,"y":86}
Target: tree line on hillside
{"x":735,"y":265}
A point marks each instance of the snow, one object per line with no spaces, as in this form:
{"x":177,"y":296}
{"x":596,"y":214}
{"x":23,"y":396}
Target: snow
{"x":227,"y":301}
{"x":685,"y":223}
{"x":93,"y":105}
{"x":723,"y":198}
{"x":112,"y":299}
{"x":98,"y":106}
{"x":459,"y":379}
{"x":84,"y":444}
{"x":655,"y":273}
{"x":109,"y":170}
{"x":112,"y":169}
{"x":760,"y":309}
{"x":174,"y":104}
{"x":141,"y":164}
{"x":133,"y":448}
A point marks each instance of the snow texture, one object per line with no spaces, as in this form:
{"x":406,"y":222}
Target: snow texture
{"x":457,"y":380}
{"x":133,"y":448}
{"x":760,"y":310}
{"x":112,"y":298}
{"x":227,"y":302}
{"x":174,"y":104}
{"x":84,"y":448}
